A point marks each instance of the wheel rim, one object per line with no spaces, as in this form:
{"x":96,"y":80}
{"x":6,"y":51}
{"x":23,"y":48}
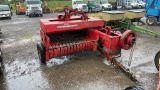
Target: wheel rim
{"x":127,"y":39}
{"x":150,"y":20}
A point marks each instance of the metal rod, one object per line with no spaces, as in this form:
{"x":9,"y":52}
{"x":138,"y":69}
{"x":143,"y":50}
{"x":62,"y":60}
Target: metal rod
{"x":127,"y":72}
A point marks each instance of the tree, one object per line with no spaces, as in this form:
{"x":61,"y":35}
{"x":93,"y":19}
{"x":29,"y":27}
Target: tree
{"x":2,"y":1}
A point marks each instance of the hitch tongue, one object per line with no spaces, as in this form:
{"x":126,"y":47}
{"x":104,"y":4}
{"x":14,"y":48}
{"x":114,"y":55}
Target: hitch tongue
{"x":127,"y":72}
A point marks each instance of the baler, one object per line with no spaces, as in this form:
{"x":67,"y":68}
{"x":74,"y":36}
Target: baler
{"x":68,"y":34}
{"x":152,"y":12}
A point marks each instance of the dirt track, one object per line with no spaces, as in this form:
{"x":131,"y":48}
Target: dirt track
{"x":82,"y":71}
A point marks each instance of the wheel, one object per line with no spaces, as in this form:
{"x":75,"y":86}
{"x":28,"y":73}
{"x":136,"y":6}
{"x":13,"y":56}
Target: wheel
{"x":41,"y":52}
{"x":30,"y":15}
{"x":134,"y":88}
{"x":1,"y":63}
{"x":103,"y":8}
{"x":140,"y":7}
{"x":127,"y":39}
{"x":132,"y":7}
{"x":41,"y":15}
{"x":9,"y":17}
{"x":151,"y":21}
{"x":124,"y":8}
{"x":156,"y":60}
{"x":26,"y":14}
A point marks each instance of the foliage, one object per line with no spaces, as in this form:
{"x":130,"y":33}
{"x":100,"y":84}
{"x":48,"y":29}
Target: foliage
{"x":2,"y":1}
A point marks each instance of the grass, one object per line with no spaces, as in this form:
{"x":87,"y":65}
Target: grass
{"x":52,"y":4}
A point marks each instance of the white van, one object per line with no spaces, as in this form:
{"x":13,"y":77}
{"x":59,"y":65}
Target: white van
{"x":5,"y":11}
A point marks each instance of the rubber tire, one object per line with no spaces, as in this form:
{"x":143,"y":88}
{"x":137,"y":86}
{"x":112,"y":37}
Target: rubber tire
{"x":134,"y":88}
{"x":124,"y":8}
{"x":2,"y":65}
{"x":41,"y":15}
{"x":10,"y":17}
{"x":26,"y":14}
{"x":132,"y":7}
{"x":154,"y":23}
{"x":103,"y":9}
{"x":110,"y":9}
{"x":140,"y":7}
{"x":156,"y":60}
{"x":30,"y":15}
{"x":41,"y":52}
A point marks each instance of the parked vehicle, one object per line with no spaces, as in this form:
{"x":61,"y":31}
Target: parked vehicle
{"x":34,"y":8}
{"x":124,"y":4}
{"x":59,"y":8}
{"x":105,"y":5}
{"x":152,"y":12}
{"x":134,"y":4}
{"x":78,"y":4}
{"x":19,"y":9}
{"x":46,"y":9}
{"x":114,"y":5}
{"x":93,"y":6}
{"x":5,"y":11}
{"x":141,"y":4}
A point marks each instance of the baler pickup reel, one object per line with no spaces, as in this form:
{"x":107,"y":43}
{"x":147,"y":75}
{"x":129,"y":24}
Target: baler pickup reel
{"x":69,"y":34}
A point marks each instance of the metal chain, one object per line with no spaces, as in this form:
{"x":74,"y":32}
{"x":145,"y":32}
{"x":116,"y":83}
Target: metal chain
{"x":131,"y":54}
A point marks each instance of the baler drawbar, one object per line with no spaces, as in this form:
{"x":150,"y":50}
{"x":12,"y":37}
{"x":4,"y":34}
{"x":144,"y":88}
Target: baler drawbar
{"x":68,"y":34}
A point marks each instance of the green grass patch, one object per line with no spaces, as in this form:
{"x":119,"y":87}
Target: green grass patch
{"x":28,"y":35}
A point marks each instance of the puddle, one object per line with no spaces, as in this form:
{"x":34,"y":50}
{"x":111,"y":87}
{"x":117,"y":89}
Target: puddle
{"x":57,"y":61}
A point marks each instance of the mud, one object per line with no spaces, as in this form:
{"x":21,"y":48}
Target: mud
{"x":80,"y":71}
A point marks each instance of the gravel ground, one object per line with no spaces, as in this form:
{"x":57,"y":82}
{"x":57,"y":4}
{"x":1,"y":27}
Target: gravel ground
{"x":80,"y":71}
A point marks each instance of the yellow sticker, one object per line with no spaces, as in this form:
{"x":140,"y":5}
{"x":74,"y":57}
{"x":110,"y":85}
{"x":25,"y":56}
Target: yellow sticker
{"x":159,"y":61}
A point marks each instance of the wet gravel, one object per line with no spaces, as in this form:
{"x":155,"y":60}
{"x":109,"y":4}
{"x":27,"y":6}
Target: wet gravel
{"x":80,"y":71}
